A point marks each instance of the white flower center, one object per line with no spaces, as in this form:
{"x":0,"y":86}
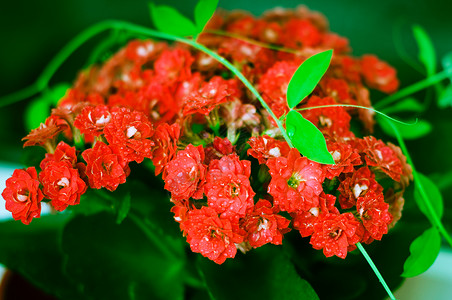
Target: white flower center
{"x":131,"y":132}
{"x":358,"y":189}
{"x":63,"y":182}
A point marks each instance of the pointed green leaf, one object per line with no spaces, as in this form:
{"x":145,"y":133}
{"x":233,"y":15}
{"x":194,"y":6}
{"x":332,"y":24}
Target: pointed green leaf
{"x":445,"y":100}
{"x":433,"y":194}
{"x":203,"y":12}
{"x":423,"y":253}
{"x":447,"y":64}
{"x":123,"y":208}
{"x":409,"y":132}
{"x":36,"y":112}
{"x":167,"y":19}
{"x":426,"y":50}
{"x":404,"y":105}
{"x":307,"y":138}
{"x":307,"y":76}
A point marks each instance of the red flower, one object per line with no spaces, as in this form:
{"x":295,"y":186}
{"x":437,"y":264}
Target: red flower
{"x":378,"y":74}
{"x":165,"y":138}
{"x":63,"y":152}
{"x":129,"y":133}
{"x":334,"y":121}
{"x":185,"y":174}
{"x":265,"y":147}
{"x":374,"y":214}
{"x":228,"y":186}
{"x":301,"y":33}
{"x":104,"y":168}
{"x":304,"y":221}
{"x":173,"y":65}
{"x":62,"y":184}
{"x":357,"y":185}
{"x":219,"y":148}
{"x":263,"y":225}
{"x":345,"y":158}
{"x":335,"y":233}
{"x":211,"y":94}
{"x":210,"y":235}
{"x":45,"y":134}
{"x":92,"y":120}
{"x":381,"y":156}
{"x":23,"y":196}
{"x":296,"y":182}
{"x":273,"y":84}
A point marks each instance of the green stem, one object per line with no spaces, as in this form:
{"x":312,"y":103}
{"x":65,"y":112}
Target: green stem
{"x":418,"y":86}
{"x":157,"y":241}
{"x":436,"y":220}
{"x":374,"y":268}
{"x":355,"y":106}
{"x":43,"y":80}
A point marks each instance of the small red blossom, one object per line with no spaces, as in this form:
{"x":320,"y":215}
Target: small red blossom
{"x":219,"y":148}
{"x":174,"y":65}
{"x":374,"y":214}
{"x":345,"y":158}
{"x":22,"y":195}
{"x":296,"y":182}
{"x":357,"y":185}
{"x":377,"y":154}
{"x":210,"y":95}
{"x":334,"y":121}
{"x":45,"y":134}
{"x":164,"y":150}
{"x":185,"y":174}
{"x":62,"y":184}
{"x":63,"y":152}
{"x":265,"y":147}
{"x":304,"y":221}
{"x":263,"y":225}
{"x":105,"y":168}
{"x":301,"y":33}
{"x":129,"y":134}
{"x":210,"y":235}
{"x":93,"y":119}
{"x":378,"y":74}
{"x":335,"y":233}
{"x":273,"y":84}
{"x":228,"y":188}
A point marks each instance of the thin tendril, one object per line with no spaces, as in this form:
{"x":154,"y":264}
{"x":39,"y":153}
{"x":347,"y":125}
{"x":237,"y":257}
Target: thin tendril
{"x":251,"y":41}
{"x":375,"y":269}
{"x":416,"y":87}
{"x":358,"y":106}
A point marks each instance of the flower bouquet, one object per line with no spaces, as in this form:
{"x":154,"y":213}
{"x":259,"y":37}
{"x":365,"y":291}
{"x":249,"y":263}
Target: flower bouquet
{"x":222,"y":156}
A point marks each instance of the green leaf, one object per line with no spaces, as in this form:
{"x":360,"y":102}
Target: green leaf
{"x":307,"y":138}
{"x":426,"y":50}
{"x":112,"y":261}
{"x":433,"y":194}
{"x":203,"y":12}
{"x":307,"y":76}
{"x":263,"y":273}
{"x":446,"y":62}
{"x":169,"y":20}
{"x":404,"y":105}
{"x":423,"y":253}
{"x":34,"y":251}
{"x":410,"y":132}
{"x":123,"y":208}
{"x":445,"y":99}
{"x":36,"y":112}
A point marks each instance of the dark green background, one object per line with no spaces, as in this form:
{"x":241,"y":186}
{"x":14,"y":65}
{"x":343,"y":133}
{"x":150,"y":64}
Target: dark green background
{"x":31,"y":33}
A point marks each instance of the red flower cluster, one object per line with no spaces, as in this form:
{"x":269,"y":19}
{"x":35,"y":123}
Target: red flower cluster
{"x":234,"y":182}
